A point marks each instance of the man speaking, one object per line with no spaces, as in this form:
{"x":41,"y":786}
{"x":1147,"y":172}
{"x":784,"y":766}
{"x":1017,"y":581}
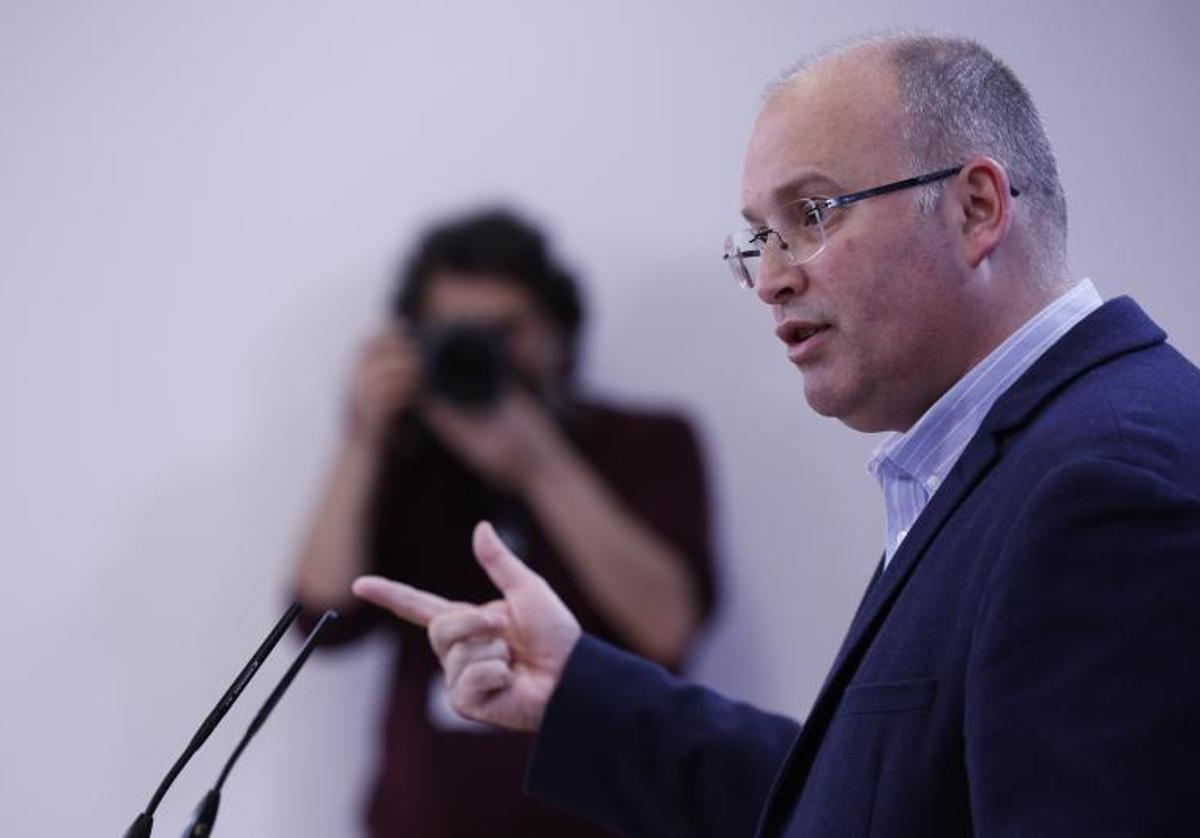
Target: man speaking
{"x":1027,"y":659}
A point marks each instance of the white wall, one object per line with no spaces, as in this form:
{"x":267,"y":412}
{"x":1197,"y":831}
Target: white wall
{"x":199,"y":204}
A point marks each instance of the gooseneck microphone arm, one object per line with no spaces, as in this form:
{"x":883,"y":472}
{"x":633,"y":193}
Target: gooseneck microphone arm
{"x":144,"y":822}
{"x":206,"y":813}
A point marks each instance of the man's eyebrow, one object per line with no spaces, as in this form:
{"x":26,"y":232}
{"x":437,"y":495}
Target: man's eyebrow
{"x":806,"y":185}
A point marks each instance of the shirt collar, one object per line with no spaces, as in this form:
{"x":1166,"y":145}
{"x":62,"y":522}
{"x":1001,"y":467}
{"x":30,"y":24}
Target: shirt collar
{"x":928,"y":450}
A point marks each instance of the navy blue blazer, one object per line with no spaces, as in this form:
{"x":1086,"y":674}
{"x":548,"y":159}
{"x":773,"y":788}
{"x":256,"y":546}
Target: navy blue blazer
{"x":1028,"y":664}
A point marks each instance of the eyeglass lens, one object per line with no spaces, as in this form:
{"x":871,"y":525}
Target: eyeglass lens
{"x":795,"y":233}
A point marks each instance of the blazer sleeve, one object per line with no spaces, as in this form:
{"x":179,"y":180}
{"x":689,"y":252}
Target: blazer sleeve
{"x":634,"y":748}
{"x":1083,"y":681}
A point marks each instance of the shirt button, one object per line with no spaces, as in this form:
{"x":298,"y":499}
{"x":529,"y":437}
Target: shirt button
{"x":932,"y":483}
{"x":900,"y":536}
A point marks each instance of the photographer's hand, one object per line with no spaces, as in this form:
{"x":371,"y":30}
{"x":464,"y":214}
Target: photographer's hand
{"x":385,"y":382}
{"x":507,"y":444}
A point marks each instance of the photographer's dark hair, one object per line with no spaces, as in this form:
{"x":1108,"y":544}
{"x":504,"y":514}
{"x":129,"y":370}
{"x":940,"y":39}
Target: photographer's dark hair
{"x":494,"y":242}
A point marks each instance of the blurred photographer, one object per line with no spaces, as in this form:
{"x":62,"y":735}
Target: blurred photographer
{"x":463,"y":409}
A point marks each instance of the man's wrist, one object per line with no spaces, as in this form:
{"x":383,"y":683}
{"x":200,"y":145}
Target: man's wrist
{"x":555,"y":681}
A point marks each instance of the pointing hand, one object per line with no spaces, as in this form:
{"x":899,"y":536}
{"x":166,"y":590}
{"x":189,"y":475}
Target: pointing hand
{"x":503,"y":660}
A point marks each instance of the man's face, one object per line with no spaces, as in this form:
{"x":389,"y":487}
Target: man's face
{"x":532,"y":341}
{"x":882,"y":291}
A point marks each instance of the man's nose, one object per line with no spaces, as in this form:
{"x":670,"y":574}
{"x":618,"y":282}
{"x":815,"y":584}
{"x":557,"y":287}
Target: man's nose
{"x":779,"y":279}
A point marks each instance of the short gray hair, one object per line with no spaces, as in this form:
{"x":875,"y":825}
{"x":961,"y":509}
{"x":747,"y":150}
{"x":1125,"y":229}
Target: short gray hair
{"x":958,"y":100}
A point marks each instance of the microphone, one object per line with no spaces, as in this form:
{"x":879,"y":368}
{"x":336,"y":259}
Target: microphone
{"x":141,"y":826}
{"x":206,"y":813}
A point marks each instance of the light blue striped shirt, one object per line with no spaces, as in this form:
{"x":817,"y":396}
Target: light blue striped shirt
{"x":910,"y":466}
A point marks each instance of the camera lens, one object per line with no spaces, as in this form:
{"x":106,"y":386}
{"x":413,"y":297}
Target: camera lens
{"x":465,"y":364}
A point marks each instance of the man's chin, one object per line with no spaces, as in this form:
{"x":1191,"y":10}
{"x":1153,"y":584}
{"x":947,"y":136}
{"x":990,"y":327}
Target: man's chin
{"x":824,"y":400}
{"x":851,"y":412}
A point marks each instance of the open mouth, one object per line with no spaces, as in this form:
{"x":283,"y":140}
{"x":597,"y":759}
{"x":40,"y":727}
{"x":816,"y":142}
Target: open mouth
{"x":794,"y":334}
{"x":807,"y":332}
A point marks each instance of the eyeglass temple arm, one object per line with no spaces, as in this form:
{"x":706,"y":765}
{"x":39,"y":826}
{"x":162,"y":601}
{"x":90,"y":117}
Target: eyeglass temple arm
{"x":908,"y":183}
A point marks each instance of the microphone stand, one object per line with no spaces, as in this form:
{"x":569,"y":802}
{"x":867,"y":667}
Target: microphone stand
{"x":206,"y":813}
{"x":141,"y":826}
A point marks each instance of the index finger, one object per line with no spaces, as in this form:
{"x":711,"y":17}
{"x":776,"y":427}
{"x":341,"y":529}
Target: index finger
{"x":406,"y":602}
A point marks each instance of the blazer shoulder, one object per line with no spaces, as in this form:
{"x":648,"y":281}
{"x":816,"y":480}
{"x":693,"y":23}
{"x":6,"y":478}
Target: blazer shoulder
{"x":1141,"y":408}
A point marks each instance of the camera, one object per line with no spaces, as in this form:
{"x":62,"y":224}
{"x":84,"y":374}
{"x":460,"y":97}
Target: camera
{"x":465,"y":364}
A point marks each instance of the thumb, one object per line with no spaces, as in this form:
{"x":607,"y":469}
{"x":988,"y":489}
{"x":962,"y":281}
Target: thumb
{"x":506,"y":571}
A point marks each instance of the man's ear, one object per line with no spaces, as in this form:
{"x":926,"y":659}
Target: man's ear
{"x":983,"y":205}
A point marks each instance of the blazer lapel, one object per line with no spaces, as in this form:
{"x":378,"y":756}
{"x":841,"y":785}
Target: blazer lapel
{"x":976,"y":459}
{"x":1114,"y":329}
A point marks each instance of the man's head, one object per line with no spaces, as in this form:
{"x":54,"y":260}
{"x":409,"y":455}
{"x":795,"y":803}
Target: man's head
{"x":914,"y":287}
{"x":492,"y":269}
